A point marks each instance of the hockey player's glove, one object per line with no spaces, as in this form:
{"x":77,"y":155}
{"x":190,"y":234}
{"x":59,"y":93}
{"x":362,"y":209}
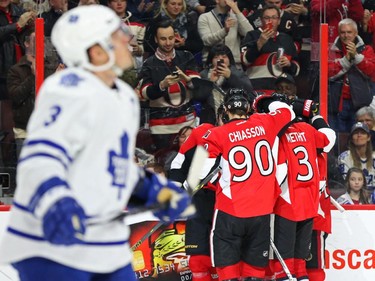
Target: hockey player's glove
{"x":63,"y":224}
{"x":177,"y":201}
{"x":262,"y":102}
{"x":304,"y":108}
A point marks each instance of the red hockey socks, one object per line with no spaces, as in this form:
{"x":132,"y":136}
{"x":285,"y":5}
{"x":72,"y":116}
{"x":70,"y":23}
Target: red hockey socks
{"x":300,"y":269}
{"x":278,"y":271}
{"x":201,"y":268}
{"x":316,"y":274}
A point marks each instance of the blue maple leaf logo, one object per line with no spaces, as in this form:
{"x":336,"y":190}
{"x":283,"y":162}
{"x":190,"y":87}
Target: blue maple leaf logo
{"x":70,"y":80}
{"x":118,"y":164}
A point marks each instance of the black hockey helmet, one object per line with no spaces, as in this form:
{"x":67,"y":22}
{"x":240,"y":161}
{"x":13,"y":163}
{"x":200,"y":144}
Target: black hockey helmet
{"x":237,"y":99}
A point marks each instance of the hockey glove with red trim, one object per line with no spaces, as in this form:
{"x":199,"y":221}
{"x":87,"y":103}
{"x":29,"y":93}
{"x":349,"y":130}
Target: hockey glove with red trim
{"x":262,"y":102}
{"x":64,"y":222}
{"x":304,"y":108}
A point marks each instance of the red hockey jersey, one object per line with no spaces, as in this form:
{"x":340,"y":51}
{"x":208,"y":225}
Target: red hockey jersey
{"x":248,"y":157}
{"x":299,"y":197}
{"x":181,"y":163}
{"x":323,"y":221}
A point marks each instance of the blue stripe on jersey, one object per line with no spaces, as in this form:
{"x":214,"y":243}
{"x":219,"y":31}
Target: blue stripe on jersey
{"x":43,"y":188}
{"x":19,"y":206}
{"x":25,"y":235}
{"x":38,"y":238}
{"x":51,"y":144}
{"x":43,"y":155}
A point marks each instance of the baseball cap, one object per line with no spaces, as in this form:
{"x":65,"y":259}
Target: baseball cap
{"x":285,"y":77}
{"x":360,"y":125}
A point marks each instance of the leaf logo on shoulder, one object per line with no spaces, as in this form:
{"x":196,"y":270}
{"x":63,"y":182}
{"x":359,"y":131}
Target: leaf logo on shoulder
{"x":70,"y":80}
{"x":118,"y":164}
{"x":73,"y":18}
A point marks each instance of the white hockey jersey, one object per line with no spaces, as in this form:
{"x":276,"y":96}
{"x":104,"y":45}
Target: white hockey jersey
{"x":81,"y":141}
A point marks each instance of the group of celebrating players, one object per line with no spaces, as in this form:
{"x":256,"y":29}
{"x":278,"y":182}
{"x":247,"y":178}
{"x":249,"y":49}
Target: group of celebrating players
{"x":270,"y":186}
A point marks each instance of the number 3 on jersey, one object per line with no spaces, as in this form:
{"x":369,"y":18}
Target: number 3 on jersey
{"x":54,"y":112}
{"x":303,"y":161}
{"x":239,"y":158}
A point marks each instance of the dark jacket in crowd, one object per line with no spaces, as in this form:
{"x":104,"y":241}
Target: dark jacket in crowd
{"x":21,"y":90}
{"x":9,"y":37}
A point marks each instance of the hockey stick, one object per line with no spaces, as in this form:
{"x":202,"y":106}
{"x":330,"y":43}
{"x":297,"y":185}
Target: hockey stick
{"x":145,"y":237}
{"x":206,"y":179}
{"x":196,"y":166}
{"x":282,"y":262}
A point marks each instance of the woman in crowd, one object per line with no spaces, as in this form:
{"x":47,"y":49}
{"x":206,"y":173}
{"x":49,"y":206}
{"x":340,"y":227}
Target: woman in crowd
{"x":359,"y":154}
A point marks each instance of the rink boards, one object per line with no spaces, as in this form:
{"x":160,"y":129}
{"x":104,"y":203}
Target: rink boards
{"x":350,"y":253}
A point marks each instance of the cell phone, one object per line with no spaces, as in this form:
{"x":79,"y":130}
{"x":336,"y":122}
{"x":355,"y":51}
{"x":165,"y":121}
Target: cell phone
{"x":175,"y":73}
{"x":280,"y":52}
{"x":220,"y":62}
{"x":269,"y":25}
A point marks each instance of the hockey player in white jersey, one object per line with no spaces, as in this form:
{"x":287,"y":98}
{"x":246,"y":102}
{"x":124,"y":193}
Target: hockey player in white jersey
{"x":77,"y":162}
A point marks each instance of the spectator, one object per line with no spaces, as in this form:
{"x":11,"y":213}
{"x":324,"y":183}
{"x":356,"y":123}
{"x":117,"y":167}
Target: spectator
{"x":287,"y":24}
{"x":57,"y":8}
{"x":169,"y":94}
{"x":285,"y":84}
{"x":350,"y":69}
{"x":14,"y":22}
{"x":359,"y":154}
{"x":269,"y":53}
{"x":225,"y":24}
{"x":356,"y":193}
{"x":138,"y":30}
{"x":21,"y":89}
{"x":143,"y":10}
{"x":225,"y":75}
{"x":185,"y":27}
{"x":366,"y":115}
{"x":331,"y":13}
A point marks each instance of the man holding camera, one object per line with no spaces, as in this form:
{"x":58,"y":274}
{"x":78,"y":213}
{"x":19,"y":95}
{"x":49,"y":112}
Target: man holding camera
{"x":166,"y":82}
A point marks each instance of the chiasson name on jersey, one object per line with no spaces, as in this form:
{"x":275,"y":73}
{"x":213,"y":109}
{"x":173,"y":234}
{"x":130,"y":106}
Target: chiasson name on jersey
{"x":247,"y":133}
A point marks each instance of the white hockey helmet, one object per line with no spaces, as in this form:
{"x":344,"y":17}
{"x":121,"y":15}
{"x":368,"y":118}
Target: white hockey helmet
{"x":81,"y":28}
